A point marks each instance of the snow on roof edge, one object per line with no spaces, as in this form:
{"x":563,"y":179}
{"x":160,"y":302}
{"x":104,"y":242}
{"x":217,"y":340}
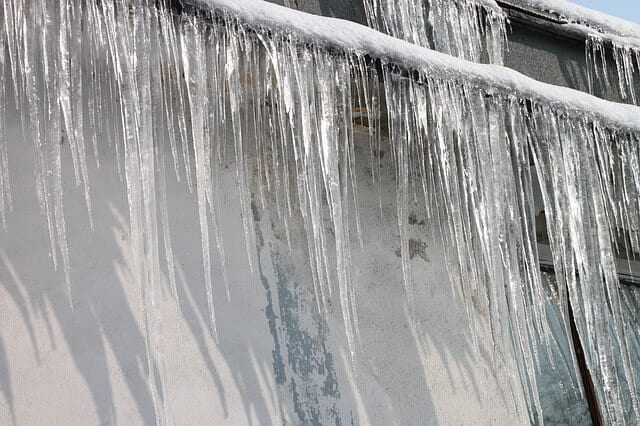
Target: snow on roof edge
{"x":354,"y":38}
{"x":614,"y":40}
{"x":576,"y":14}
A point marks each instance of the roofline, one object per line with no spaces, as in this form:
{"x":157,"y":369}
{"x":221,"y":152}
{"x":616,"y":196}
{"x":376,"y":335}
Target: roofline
{"x":540,"y":20}
{"x":546,"y":22}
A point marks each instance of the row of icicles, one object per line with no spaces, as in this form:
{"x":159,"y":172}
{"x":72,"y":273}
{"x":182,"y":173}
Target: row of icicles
{"x":476,"y":30}
{"x":132,"y":75}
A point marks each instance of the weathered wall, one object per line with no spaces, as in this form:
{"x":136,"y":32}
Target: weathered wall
{"x":551,"y":58}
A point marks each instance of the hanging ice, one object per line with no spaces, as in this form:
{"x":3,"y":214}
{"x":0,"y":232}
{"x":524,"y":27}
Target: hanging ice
{"x":606,"y":37}
{"x":626,"y":57}
{"x":471,"y":142}
{"x":470,"y":29}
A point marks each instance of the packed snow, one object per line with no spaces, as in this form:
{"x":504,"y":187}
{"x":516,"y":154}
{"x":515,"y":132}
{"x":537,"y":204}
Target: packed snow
{"x":576,"y":14}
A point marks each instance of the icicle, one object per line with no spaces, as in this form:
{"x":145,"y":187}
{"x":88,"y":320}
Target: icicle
{"x":236,"y":99}
{"x":467,"y":29}
{"x":626,"y":59}
{"x":175,"y":111}
{"x":158,"y":99}
{"x":96,"y":44}
{"x":129,"y":48}
{"x":334,"y":166}
{"x":71,"y":96}
{"x":195,"y":74}
{"x":592,"y":45}
{"x":483,"y":144}
{"x":5,"y":182}
{"x":400,"y":134}
{"x":13,"y":22}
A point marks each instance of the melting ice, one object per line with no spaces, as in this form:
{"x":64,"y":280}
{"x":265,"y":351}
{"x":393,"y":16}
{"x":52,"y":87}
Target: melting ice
{"x":626,"y":57}
{"x":150,"y":78}
{"x":470,"y":29}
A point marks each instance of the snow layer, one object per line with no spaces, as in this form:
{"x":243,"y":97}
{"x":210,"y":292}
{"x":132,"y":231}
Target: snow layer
{"x":576,"y":14}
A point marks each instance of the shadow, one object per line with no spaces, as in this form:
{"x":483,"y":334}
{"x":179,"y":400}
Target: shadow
{"x":14,"y":286}
{"x":198,"y":326}
{"x":284,"y":359}
{"x":238,"y":322}
{"x":101,"y":319}
{"x":351,"y":10}
{"x":91,"y":325}
{"x":441,"y":364}
{"x":5,"y":382}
